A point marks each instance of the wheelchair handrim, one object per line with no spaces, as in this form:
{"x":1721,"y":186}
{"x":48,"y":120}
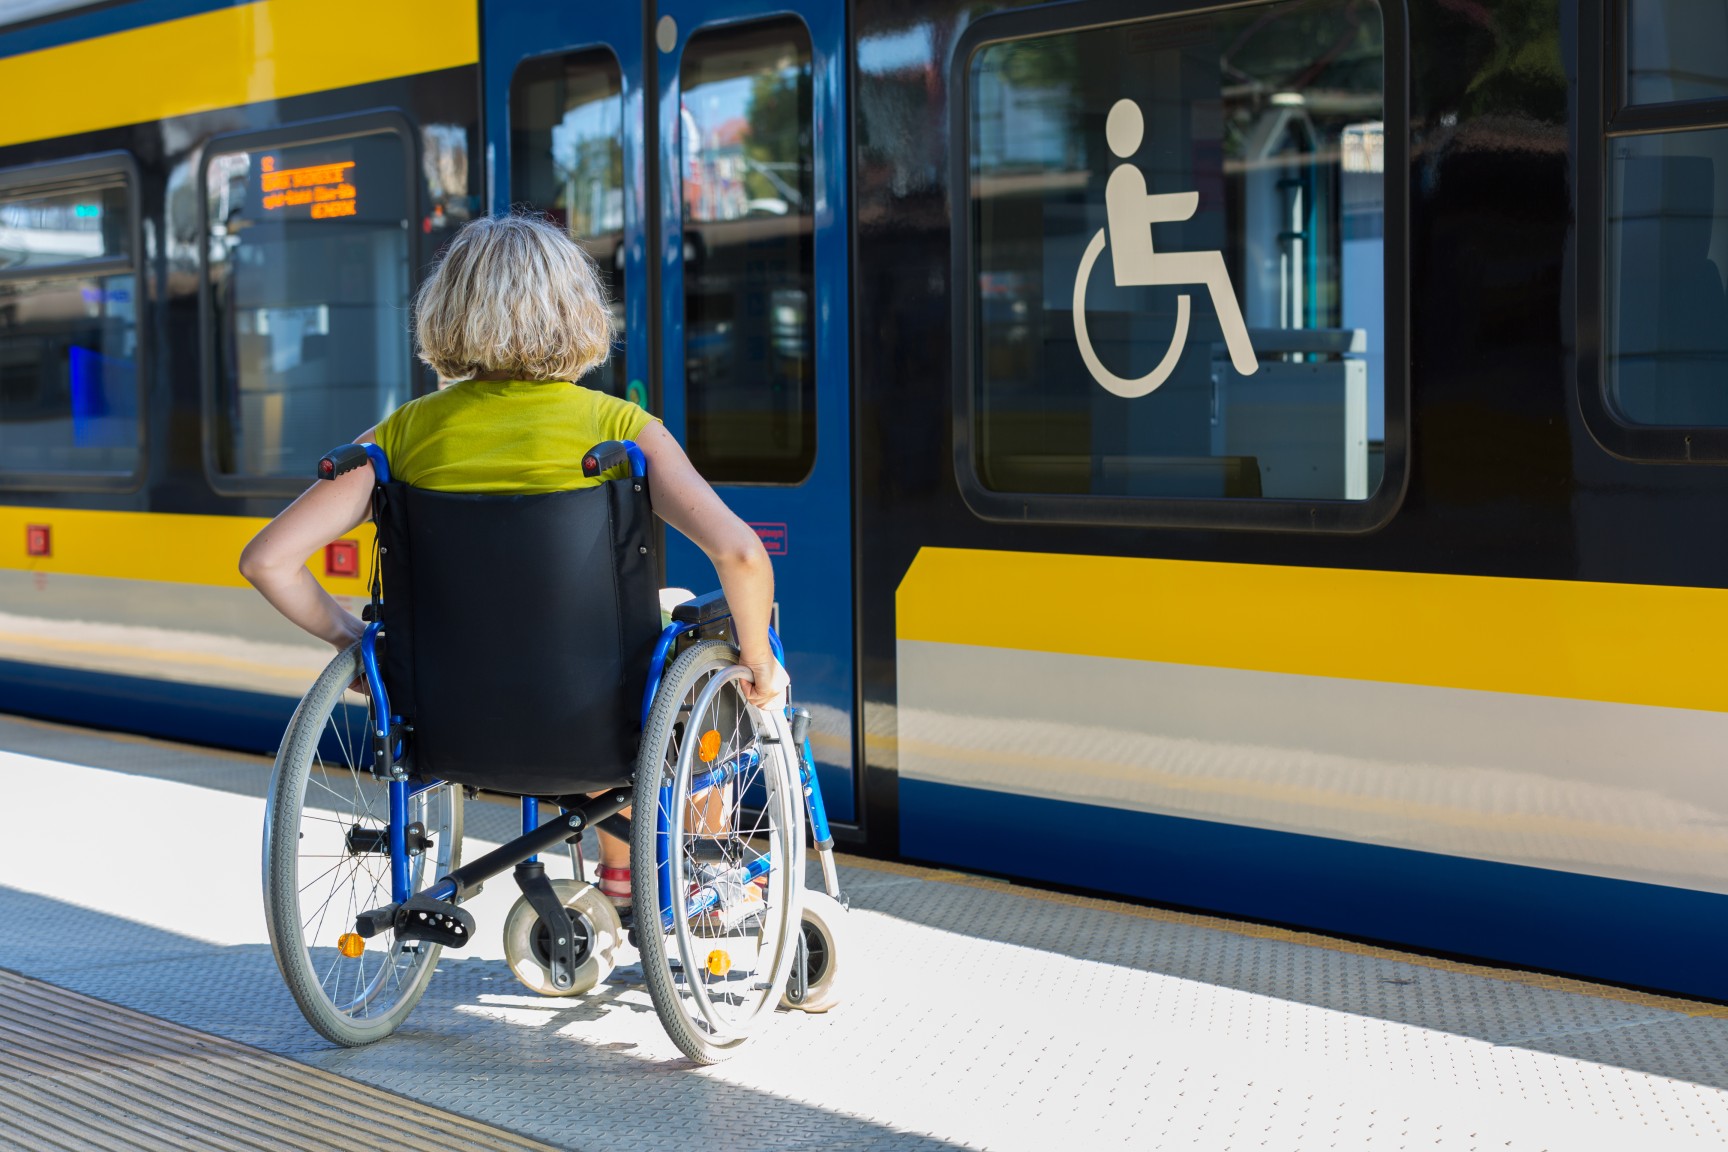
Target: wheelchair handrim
{"x":781,"y":891}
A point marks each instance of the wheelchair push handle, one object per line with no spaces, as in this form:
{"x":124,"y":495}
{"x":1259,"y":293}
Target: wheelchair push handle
{"x":343,"y":460}
{"x":610,"y":454}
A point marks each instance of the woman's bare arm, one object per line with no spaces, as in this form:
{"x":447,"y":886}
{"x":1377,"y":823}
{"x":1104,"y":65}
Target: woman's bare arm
{"x":684,"y":500}
{"x":275,"y":561}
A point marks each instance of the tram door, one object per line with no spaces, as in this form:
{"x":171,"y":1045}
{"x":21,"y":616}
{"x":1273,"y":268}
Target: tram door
{"x":720,"y":126}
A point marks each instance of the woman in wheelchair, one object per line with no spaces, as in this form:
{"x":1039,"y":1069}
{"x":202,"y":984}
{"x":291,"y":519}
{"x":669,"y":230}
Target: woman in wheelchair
{"x":494,"y":502}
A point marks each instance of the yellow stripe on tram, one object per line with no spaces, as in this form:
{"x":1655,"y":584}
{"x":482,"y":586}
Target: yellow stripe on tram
{"x":153,"y":546}
{"x":238,"y":55}
{"x":1626,"y":643}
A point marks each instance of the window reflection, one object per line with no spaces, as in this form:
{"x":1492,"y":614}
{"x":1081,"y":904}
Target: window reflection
{"x":308,"y":266}
{"x":1229,"y":339}
{"x":68,"y":375}
{"x":1676,"y":50}
{"x":68,"y":329}
{"x":1667,"y":246}
{"x":86,"y":222}
{"x":567,"y":160}
{"x":444,"y":163}
{"x":746,"y":170}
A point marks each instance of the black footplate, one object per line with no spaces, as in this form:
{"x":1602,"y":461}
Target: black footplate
{"x":419,"y":918}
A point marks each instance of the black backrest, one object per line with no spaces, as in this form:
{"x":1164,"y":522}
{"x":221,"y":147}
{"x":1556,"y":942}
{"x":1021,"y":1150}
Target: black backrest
{"x":518,"y":631}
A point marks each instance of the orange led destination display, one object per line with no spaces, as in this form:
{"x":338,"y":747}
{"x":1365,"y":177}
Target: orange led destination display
{"x":324,"y":188}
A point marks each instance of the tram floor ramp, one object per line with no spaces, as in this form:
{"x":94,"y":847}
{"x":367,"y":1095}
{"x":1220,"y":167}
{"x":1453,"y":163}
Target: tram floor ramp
{"x":81,"y":1074}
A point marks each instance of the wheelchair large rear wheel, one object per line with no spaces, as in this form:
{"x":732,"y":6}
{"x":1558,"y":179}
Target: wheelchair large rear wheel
{"x":717,"y":850}
{"x":326,"y":859}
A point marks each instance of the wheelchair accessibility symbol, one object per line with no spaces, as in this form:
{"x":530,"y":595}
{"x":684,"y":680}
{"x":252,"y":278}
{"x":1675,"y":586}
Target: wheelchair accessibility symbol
{"x":1130,"y":213}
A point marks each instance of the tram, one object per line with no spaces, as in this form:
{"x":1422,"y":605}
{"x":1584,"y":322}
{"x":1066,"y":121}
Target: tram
{"x":1262,"y":457}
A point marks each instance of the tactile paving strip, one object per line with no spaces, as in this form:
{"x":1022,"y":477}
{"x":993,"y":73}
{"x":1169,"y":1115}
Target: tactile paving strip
{"x":977,"y":1014}
{"x":80,"y":1074}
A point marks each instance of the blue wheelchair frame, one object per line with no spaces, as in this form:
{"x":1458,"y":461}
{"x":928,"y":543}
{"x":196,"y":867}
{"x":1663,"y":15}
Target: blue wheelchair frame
{"x":537,"y":837}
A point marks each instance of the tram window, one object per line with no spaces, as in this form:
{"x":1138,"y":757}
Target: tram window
{"x":307,"y":246}
{"x":749,"y":261}
{"x":1675,"y":50}
{"x":567,"y":160}
{"x":69,"y":364}
{"x":1667,"y":247}
{"x":1215,"y":187}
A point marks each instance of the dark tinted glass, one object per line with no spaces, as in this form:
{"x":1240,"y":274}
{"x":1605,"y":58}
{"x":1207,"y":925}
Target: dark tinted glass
{"x":308,"y":251}
{"x":1676,"y":50}
{"x":1178,"y":253}
{"x":749,"y":348}
{"x":1667,"y":329}
{"x":68,"y":375}
{"x":567,"y":160}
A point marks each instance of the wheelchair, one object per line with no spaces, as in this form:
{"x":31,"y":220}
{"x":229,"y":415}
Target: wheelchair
{"x":575,"y":699}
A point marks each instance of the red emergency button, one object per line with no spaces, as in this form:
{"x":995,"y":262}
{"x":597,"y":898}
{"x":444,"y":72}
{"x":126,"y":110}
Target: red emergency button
{"x":342,"y":558}
{"x":38,"y":540}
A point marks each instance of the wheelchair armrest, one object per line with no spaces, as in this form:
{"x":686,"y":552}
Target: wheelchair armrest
{"x":702,"y":610}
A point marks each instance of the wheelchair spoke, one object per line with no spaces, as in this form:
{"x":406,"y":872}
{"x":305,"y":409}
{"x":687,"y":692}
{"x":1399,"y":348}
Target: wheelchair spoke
{"x":318,"y":880}
{"x":717,"y":970}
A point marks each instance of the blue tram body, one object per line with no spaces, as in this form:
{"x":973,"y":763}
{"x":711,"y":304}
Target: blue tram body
{"x":1405,"y":632}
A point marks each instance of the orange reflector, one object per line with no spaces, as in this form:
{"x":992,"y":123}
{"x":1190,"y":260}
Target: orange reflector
{"x":710,"y":746}
{"x":351,"y":944}
{"x":719,"y":962}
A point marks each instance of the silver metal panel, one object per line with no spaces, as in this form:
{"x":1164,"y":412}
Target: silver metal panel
{"x":1619,"y":790}
{"x":187,"y":633}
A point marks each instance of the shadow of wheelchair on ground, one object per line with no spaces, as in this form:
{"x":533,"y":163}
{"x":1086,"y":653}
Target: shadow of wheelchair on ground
{"x":479,"y":1044}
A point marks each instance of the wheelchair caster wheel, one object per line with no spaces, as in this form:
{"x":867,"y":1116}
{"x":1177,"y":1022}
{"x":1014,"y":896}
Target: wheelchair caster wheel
{"x":525,"y":939}
{"x":824,"y":935}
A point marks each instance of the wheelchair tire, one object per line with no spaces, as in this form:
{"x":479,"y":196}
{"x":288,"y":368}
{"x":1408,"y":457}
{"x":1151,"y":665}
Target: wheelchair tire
{"x":525,"y":943}
{"x":715,"y":977}
{"x":317,"y":879}
{"x":825,"y":935}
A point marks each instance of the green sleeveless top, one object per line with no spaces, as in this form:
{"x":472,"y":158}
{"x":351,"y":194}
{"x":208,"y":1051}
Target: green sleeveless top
{"x":525,"y":436}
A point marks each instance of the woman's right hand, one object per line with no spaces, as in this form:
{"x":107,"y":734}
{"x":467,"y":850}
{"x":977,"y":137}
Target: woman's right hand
{"x":768,"y":683}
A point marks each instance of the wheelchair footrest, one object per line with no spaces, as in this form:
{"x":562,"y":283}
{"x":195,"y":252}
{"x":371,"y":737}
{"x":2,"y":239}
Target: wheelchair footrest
{"x":420,"y":918}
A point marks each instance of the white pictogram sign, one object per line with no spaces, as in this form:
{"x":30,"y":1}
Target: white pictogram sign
{"x":1129,"y":214}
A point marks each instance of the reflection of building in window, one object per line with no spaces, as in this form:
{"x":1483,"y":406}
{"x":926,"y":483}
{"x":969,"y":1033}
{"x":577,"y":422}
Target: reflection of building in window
{"x":747,"y":169}
{"x":567,"y":160}
{"x":444,"y":162}
{"x":714,"y":174}
{"x":68,"y":327}
{"x":1362,"y":248}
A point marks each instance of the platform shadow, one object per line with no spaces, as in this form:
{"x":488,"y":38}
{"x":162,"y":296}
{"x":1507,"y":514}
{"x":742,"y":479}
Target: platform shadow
{"x":590,"y":1073}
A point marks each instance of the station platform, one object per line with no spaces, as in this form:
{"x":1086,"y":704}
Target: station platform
{"x":140,"y":1008}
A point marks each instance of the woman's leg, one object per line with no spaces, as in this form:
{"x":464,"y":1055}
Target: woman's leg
{"x":704,"y":815}
{"x":615,"y":868}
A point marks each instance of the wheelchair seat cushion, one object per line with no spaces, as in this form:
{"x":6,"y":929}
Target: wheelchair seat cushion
{"x":518,"y":631}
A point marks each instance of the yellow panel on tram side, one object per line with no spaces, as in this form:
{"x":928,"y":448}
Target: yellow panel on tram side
{"x":157,"y":546}
{"x":266,"y":50}
{"x":1619,"y":643}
